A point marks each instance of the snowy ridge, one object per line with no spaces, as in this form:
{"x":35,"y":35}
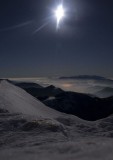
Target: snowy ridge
{"x":16,"y":100}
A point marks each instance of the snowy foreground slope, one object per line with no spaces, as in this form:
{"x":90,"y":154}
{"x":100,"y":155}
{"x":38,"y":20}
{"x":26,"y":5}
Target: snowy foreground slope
{"x":17,"y":100}
{"x":30,"y":130}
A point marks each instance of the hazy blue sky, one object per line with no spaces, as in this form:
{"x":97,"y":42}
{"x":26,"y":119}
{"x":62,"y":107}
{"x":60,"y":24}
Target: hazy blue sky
{"x":82,"y":45}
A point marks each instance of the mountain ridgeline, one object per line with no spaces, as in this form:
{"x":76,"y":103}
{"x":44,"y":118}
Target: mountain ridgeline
{"x":84,"y":106}
{"x":87,"y":77}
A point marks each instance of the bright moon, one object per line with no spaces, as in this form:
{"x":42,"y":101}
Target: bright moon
{"x":59,"y":13}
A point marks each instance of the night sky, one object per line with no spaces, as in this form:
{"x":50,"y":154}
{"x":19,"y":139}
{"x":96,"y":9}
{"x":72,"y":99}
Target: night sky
{"x":82,"y":45}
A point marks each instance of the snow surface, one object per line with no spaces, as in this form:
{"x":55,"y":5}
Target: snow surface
{"x":49,"y":134}
{"x":17,"y":100}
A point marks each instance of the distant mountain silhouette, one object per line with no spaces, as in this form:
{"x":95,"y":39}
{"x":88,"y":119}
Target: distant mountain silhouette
{"x":86,"y":77}
{"x":44,"y":93}
{"x":25,"y":85}
{"x":38,"y":91}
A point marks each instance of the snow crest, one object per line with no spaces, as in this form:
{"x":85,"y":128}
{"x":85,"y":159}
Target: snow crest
{"x":16,"y":100}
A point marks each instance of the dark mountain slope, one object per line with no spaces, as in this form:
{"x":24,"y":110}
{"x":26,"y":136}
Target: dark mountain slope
{"x":82,"y":105}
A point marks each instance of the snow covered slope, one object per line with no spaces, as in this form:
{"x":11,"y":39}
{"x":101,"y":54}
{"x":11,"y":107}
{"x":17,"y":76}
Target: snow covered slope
{"x":49,"y":134}
{"x":16,"y":100}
